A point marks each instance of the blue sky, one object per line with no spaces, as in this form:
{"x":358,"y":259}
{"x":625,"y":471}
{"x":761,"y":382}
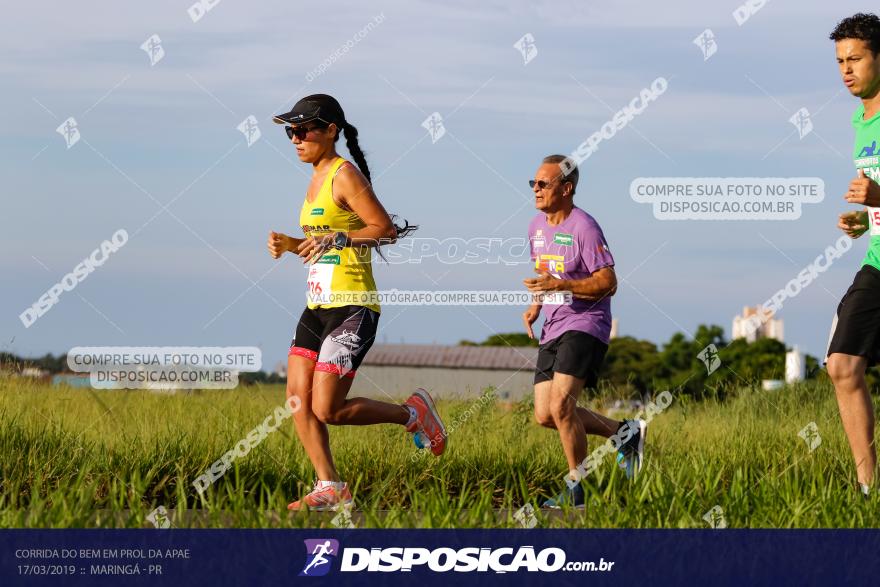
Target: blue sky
{"x":168,"y":132}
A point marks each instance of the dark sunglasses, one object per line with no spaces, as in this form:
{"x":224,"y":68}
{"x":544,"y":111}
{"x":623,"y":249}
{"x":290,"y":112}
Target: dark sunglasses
{"x":301,"y":132}
{"x":540,"y":183}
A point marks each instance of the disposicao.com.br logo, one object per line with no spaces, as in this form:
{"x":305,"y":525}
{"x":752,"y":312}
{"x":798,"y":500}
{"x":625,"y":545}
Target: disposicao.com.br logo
{"x":320,"y":553}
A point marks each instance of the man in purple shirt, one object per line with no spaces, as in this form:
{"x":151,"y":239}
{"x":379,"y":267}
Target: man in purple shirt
{"x":572,"y":255}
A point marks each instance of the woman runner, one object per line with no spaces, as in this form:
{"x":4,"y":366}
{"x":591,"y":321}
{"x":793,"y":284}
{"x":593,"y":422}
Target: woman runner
{"x":342,"y":220}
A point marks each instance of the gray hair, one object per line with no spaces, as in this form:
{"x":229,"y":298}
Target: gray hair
{"x":569,"y":170}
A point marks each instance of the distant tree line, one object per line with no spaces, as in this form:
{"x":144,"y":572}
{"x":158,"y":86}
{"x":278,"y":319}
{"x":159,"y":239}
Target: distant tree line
{"x":639,"y":366}
{"x":48,"y":362}
{"x":642,"y":367}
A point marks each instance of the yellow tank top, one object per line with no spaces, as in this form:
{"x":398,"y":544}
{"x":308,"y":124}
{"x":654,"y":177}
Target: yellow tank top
{"x":349,"y":270}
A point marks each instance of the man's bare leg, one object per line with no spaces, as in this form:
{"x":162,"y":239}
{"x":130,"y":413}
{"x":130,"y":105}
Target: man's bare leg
{"x":856,"y":411}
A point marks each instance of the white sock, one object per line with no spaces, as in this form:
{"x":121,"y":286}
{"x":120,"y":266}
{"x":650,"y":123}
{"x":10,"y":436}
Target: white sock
{"x":865,"y":489}
{"x":412,"y":416}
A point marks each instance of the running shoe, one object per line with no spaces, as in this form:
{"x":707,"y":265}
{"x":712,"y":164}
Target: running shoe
{"x":323,"y":498}
{"x":629,"y":456}
{"x":428,"y":427}
{"x":570,"y":497}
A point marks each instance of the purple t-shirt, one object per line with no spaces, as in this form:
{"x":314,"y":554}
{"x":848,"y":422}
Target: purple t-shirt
{"x":573,"y":249}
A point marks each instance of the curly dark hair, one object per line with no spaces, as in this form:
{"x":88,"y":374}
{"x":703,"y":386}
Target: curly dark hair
{"x":865,"y":27}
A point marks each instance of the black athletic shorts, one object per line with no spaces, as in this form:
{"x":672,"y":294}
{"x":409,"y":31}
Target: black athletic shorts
{"x":337,"y":339}
{"x":856,"y":327}
{"x":574,"y":353}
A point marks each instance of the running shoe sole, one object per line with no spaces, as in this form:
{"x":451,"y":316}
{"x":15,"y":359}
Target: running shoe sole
{"x":322,"y":508}
{"x":640,"y":450}
{"x":559,"y":507}
{"x":643,"y":434}
{"x":626,"y":460}
{"x":426,"y":397}
{"x":330,"y":508}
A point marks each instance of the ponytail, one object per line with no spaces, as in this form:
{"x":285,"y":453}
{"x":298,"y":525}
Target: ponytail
{"x":351,"y":142}
{"x":401,"y":232}
{"x":406,"y":229}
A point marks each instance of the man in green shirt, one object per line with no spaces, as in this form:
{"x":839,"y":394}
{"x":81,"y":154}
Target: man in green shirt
{"x":855,"y":337}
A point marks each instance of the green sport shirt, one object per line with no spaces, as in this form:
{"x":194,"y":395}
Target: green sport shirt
{"x":866,"y":156}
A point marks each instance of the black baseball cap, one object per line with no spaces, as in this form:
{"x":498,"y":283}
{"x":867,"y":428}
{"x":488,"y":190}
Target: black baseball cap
{"x":315,"y":107}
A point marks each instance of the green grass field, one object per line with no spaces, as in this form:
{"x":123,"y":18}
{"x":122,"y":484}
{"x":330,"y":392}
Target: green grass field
{"x":75,"y":457}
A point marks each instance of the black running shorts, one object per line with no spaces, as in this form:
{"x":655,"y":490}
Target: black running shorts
{"x":856,"y":327}
{"x":337,"y":339}
{"x":574,"y":353}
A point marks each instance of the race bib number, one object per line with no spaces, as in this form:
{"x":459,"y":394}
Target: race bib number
{"x":321,"y":282}
{"x":554,"y":264}
{"x":874,"y":220}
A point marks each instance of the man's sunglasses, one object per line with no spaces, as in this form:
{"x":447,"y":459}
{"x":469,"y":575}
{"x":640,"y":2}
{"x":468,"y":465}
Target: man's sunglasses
{"x":301,"y":132}
{"x":541,"y":183}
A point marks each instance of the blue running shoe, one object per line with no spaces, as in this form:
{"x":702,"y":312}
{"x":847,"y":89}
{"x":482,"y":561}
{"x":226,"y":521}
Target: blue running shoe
{"x":629,"y":456}
{"x":571,"y":498}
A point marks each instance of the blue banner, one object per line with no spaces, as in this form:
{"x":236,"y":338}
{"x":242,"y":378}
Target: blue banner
{"x":436,"y":557}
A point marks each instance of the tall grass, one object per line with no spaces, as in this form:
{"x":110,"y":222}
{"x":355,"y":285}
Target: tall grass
{"x":73,"y":458}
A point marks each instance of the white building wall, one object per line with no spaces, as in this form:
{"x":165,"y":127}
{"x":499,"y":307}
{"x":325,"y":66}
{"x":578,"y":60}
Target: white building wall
{"x":381,"y":381}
